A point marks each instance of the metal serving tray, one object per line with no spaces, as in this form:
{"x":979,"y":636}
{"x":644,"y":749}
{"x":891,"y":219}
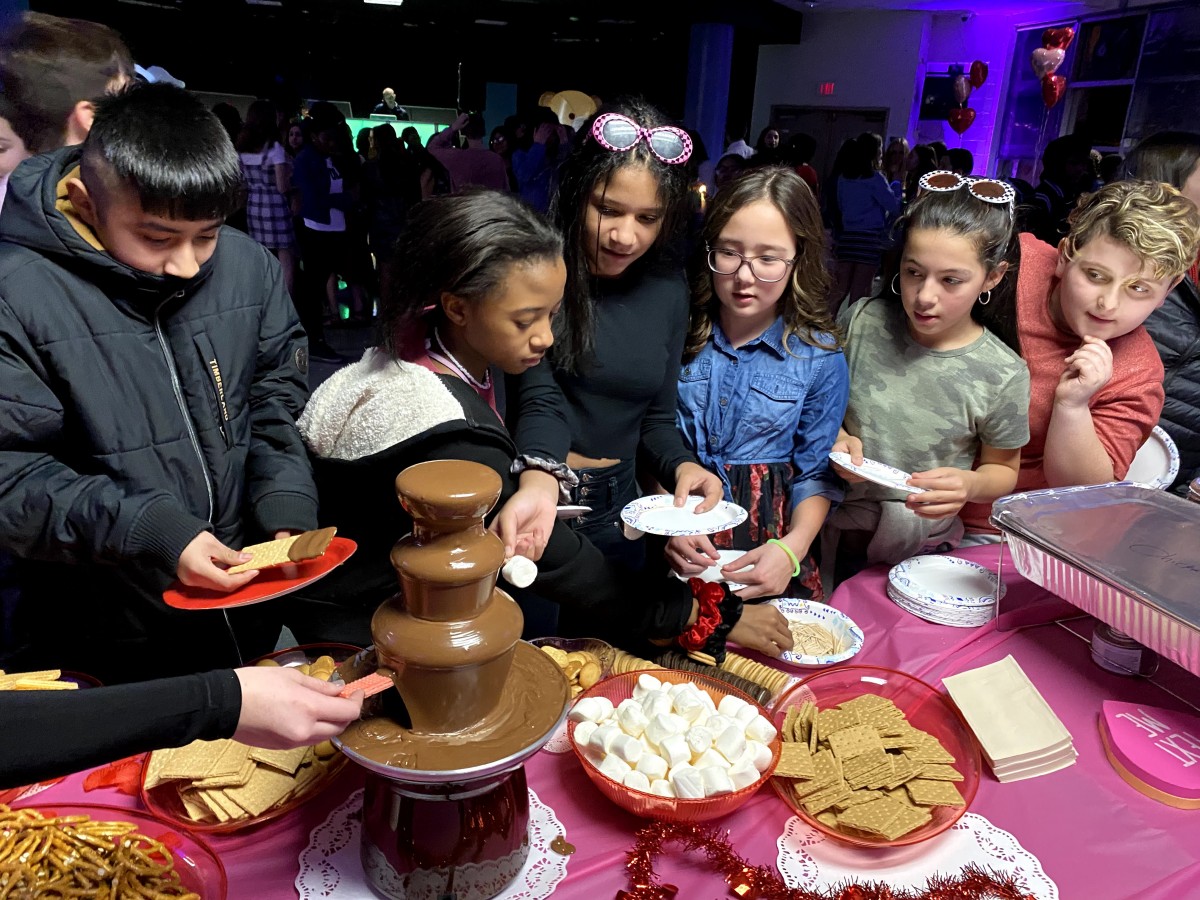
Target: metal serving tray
{"x":1127,"y":554}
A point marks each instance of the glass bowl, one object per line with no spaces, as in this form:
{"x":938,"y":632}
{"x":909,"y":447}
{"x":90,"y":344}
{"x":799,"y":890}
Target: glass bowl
{"x":671,"y":809}
{"x":200,"y":869}
{"x":602,"y":650}
{"x":924,"y":708}
{"x":163,"y":800}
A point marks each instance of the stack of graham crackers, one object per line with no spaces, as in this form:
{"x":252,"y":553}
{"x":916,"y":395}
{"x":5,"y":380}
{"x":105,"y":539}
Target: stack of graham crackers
{"x":220,"y":782}
{"x":1020,"y":735}
{"x":45,"y":680}
{"x":861,"y":769}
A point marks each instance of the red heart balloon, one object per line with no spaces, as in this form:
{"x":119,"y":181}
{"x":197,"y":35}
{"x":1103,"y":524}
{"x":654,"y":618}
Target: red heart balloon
{"x":979,"y":73}
{"x":1053,"y":88}
{"x":961,"y":119}
{"x":1058,"y":38}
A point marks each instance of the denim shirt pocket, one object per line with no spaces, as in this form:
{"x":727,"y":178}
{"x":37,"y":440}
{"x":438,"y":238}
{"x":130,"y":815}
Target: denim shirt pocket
{"x":693,"y":384}
{"x":771,"y":403}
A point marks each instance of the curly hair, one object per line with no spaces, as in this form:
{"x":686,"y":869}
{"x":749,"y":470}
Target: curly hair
{"x":1159,"y":225}
{"x":805,"y":312}
{"x":587,"y":167}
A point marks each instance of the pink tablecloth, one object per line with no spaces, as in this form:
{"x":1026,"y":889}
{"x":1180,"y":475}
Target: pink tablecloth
{"x":1095,"y":836}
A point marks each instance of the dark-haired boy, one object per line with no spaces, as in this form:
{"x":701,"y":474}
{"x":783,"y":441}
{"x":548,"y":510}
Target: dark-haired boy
{"x":151,"y":369}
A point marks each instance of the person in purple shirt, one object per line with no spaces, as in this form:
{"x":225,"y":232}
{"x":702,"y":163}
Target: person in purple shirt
{"x":764,"y":384}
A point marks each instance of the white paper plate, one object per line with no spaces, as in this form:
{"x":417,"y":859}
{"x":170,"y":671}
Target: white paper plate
{"x":658,"y":514}
{"x":713,"y":573}
{"x":880,"y":473}
{"x":842,"y":627}
{"x":1156,"y":463}
{"x":946,"y":580}
{"x":964,"y":619}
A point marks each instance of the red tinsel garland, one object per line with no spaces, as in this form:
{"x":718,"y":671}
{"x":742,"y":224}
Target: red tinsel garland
{"x":763,"y":883}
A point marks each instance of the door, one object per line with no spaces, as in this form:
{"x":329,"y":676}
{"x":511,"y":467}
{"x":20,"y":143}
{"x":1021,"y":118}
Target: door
{"x":829,"y":126}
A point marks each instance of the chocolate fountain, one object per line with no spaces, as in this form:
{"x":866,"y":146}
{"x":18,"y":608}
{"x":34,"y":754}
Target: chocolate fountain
{"x":446,"y":808}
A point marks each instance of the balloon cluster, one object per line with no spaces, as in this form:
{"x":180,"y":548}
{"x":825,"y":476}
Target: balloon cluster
{"x":1047,"y":58}
{"x":963,"y":116}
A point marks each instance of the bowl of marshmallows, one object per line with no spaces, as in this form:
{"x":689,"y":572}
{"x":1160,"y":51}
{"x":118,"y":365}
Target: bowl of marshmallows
{"x":673,"y":745}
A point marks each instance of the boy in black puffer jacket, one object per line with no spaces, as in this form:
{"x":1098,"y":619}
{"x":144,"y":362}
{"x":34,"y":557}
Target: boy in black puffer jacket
{"x":151,"y":370}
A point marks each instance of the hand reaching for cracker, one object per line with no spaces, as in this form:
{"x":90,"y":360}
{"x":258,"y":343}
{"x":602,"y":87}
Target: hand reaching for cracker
{"x":199,"y":565}
{"x":283,"y":708}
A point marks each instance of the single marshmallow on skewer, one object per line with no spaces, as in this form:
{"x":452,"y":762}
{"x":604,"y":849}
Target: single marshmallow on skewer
{"x":520,"y":571}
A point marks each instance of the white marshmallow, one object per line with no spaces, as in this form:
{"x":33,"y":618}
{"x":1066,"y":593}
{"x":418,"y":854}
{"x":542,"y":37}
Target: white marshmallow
{"x":662,"y":788}
{"x":731,"y":742}
{"x":657,"y":703}
{"x":710,"y":758}
{"x":520,"y":572}
{"x":748,"y":756}
{"x":746,"y":715}
{"x":627,"y":703}
{"x":699,"y":738}
{"x":688,"y":706}
{"x":589,"y":709}
{"x":676,"y":689}
{"x":603,"y":737}
{"x":628,"y":748}
{"x":663,"y":726}
{"x":761,"y":730}
{"x":688,"y":784}
{"x":718,"y":723}
{"x":762,"y":755}
{"x":632,"y":720}
{"x":637,"y":781}
{"x":730,"y":705}
{"x":646,"y":684}
{"x":583,"y":731}
{"x":716,"y":781}
{"x":652,"y":766}
{"x":615,"y":768}
{"x":674,"y":749}
{"x":678,"y":768}
{"x":743,"y":775}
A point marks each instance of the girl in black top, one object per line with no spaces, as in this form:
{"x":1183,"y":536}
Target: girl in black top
{"x":619,"y":338}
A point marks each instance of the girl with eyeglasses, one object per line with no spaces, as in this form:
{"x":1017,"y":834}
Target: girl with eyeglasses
{"x":604,"y":400}
{"x":764,"y":385}
{"x":937,"y":382}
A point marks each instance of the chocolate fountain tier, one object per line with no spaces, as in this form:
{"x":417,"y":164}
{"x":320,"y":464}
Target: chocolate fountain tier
{"x":533,"y":704}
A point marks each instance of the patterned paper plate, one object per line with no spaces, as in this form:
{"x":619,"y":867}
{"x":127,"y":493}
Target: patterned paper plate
{"x":848,"y":635}
{"x":658,"y":514}
{"x":880,"y":473}
{"x":946,"y":580}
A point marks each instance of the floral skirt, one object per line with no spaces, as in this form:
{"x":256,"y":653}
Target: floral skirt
{"x":764,"y":491}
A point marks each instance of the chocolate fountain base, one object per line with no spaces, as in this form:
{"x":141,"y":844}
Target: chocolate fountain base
{"x":533,"y":705}
{"x":445,"y":842}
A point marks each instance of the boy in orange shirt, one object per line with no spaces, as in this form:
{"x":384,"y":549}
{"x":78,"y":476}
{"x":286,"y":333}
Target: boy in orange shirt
{"x":1095,"y":377}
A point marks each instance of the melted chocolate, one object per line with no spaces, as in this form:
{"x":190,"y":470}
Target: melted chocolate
{"x":530,"y":702}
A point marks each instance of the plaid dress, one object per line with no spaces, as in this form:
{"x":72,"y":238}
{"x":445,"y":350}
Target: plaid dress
{"x":267,"y":213}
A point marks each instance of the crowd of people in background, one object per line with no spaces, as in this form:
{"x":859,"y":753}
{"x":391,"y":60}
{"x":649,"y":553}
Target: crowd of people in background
{"x":593,"y":312}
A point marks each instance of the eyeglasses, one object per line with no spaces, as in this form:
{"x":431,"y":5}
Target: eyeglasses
{"x":621,"y":134}
{"x":767,"y":269}
{"x":986,"y":189}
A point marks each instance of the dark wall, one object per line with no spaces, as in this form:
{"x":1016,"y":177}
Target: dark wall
{"x":348,"y":50}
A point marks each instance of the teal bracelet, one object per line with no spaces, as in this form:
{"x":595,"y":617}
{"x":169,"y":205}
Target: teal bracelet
{"x":791,"y":555}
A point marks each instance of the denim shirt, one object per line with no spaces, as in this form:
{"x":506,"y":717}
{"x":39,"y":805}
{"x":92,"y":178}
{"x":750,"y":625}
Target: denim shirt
{"x":759,"y":403}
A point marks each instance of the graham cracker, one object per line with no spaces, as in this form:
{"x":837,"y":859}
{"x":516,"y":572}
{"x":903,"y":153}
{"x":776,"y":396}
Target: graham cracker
{"x":297,"y":548}
{"x":934,"y":793}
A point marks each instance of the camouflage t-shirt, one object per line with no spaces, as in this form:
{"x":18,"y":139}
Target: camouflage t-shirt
{"x":918,"y":409}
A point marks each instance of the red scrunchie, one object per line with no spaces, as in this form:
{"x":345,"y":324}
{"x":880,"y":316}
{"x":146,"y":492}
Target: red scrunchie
{"x":709,"y":597}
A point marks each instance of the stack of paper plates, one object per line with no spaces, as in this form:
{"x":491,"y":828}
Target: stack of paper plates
{"x":945,"y":589}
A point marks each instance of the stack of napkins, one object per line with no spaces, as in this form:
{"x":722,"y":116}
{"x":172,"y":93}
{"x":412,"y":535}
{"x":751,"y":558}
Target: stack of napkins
{"x":1019,"y":732}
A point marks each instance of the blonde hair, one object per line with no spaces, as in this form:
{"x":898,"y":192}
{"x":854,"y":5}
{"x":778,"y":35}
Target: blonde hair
{"x":803,"y":305}
{"x":1157,"y":223}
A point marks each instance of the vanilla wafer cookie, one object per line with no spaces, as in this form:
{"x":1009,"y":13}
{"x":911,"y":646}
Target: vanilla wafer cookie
{"x":297,"y":548}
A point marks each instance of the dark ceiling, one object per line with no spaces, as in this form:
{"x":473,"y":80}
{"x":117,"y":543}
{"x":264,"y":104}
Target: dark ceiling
{"x":348,"y":49}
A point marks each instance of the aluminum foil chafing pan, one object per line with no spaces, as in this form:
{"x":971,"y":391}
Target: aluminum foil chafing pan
{"x":1127,"y":554}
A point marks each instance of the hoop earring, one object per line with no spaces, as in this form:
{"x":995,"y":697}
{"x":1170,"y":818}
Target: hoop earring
{"x":982,"y":301}
{"x":895,"y":286}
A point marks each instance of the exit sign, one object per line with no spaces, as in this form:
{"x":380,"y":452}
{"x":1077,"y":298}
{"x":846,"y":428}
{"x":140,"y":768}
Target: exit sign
{"x":825,"y":88}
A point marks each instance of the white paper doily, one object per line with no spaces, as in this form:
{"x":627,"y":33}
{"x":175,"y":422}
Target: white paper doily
{"x":559,"y":742}
{"x":330,"y":866}
{"x":807,"y":859}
